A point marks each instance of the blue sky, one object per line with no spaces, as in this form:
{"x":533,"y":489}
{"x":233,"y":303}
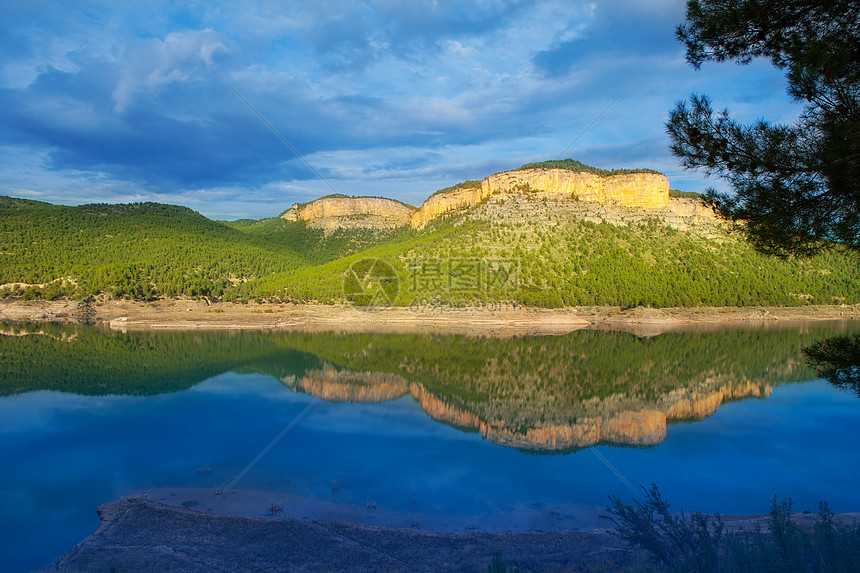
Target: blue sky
{"x":124,"y":101}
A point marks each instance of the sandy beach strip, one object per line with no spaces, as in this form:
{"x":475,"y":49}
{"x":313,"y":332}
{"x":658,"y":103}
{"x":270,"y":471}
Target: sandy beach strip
{"x":189,"y":314}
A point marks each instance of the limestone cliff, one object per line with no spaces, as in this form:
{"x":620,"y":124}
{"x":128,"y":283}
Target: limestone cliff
{"x":615,"y":420}
{"x":349,"y":385}
{"x":351,"y":212}
{"x":607,"y":198}
{"x":441,"y":203}
{"x":644,"y":427}
{"x":693,"y":209}
{"x":640,"y":190}
{"x":441,"y":411}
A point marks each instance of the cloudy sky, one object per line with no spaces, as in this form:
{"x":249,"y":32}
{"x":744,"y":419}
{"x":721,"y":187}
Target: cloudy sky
{"x":134,"y":101}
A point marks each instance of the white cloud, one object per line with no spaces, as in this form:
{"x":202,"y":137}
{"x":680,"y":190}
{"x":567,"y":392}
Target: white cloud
{"x":154,"y":63}
{"x":384,"y":98}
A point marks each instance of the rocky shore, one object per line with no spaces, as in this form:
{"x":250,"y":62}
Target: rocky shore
{"x":139,"y":534}
{"x":501,"y":320}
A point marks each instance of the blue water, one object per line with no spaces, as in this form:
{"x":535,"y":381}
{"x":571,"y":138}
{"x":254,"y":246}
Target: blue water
{"x":63,"y":455}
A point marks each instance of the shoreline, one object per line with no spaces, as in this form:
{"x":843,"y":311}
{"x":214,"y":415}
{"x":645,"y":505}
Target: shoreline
{"x":200,"y":314}
{"x":516,"y":518}
{"x":519,"y":517}
{"x":140,"y":533}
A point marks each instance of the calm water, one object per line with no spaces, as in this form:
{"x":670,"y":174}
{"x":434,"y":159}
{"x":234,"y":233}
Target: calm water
{"x":443,"y":425}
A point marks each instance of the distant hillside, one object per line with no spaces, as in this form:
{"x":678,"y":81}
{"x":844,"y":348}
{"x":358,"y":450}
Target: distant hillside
{"x":315,"y":244}
{"x":141,"y":250}
{"x":593,"y":256}
{"x":548,"y":235}
{"x":83,"y":360}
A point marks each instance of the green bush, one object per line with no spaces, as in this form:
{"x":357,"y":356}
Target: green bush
{"x":698,"y":543}
{"x":685,"y":194}
{"x":579,"y":167}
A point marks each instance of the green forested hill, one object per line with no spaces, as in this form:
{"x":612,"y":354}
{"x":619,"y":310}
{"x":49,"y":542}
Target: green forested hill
{"x":315,"y":245}
{"x":577,"y":262}
{"x":149,"y":250}
{"x":139,"y":250}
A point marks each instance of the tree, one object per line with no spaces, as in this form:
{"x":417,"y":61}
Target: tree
{"x":796,"y":187}
{"x":838,"y":360}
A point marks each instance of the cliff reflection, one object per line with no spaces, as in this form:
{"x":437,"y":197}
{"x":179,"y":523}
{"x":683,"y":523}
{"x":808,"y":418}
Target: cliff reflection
{"x":561,"y":392}
{"x":542,"y":393}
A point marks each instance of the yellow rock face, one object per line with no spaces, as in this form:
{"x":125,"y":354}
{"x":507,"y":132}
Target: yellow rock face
{"x":583,"y":186}
{"x":375,"y":211}
{"x":441,"y":410}
{"x":350,"y":385}
{"x":644,"y":428}
{"x":644,"y":190}
{"x":692,"y":208}
{"x":441,"y":203}
{"x":637,"y":190}
{"x":699,"y":405}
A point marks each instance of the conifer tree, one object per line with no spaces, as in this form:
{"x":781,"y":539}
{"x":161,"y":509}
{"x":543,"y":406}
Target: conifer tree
{"x":795,"y":187}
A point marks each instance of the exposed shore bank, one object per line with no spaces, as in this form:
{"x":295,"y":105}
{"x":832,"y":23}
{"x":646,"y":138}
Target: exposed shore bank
{"x":138,"y":533}
{"x":201,"y":314}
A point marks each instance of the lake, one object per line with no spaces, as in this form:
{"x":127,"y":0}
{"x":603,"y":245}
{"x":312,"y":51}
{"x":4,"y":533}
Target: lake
{"x":429,"y":431}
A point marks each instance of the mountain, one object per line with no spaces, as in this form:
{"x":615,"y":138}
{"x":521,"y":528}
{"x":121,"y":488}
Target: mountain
{"x":574,"y":237}
{"x":548,"y":234}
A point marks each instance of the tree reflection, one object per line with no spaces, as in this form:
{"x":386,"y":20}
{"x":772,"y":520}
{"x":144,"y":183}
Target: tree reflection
{"x":838,"y":360}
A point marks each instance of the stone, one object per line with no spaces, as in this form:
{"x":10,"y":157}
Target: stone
{"x":351,"y":212}
{"x":642,"y":190}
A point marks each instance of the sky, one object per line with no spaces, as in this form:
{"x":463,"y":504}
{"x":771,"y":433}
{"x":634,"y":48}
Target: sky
{"x":116,"y":102}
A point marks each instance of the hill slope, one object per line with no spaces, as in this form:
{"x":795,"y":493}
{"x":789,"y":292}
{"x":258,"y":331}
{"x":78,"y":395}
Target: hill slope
{"x":545,"y":235}
{"x":317,"y":245}
{"x":565,"y":253}
{"x":139,"y":250}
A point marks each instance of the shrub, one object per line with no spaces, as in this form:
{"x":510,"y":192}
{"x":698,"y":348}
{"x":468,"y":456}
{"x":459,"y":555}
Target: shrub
{"x":696,"y":542}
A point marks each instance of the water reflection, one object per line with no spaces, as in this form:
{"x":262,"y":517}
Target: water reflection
{"x":542,"y":393}
{"x":558,"y":393}
{"x":838,"y":360}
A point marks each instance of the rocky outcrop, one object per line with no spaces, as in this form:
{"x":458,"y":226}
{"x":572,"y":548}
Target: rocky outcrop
{"x":625,"y":196}
{"x":693,"y":209}
{"x":644,"y":190}
{"x":441,"y":203}
{"x":555,"y":437}
{"x":694,"y":405}
{"x":138,"y":533}
{"x":636,"y":428}
{"x":442,"y":411}
{"x":349,"y":385}
{"x":645,"y":427}
{"x":351,"y":212}
{"x":642,"y":428}
{"x":613,"y":420}
{"x":640,"y":190}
